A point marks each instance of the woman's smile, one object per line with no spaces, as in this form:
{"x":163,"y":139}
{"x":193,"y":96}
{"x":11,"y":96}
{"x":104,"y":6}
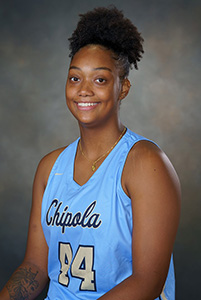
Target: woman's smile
{"x":86,"y":106}
{"x":93,"y":86}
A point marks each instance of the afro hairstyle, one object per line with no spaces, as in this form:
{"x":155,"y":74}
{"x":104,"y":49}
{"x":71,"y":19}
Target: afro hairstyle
{"x":109,"y":28}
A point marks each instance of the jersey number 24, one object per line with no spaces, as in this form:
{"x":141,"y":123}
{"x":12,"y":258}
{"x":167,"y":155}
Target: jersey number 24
{"x":81,"y":266}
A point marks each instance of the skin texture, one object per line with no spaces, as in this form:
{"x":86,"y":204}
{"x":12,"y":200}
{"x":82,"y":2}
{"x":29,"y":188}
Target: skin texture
{"x":148,"y":179}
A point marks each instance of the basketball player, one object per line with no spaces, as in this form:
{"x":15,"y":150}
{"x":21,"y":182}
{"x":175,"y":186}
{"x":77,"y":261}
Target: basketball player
{"x":106,"y":208}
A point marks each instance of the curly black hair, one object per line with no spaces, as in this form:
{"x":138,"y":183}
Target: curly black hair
{"x":109,"y":28}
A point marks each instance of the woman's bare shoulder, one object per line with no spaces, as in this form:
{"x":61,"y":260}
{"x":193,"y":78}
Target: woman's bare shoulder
{"x":144,"y":147}
{"x":52,"y":156}
{"x":46,"y":163}
{"x":141,"y":154}
{"x":144,"y":161}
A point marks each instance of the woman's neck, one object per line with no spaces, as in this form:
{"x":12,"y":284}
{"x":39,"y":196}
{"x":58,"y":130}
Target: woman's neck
{"x":96,"y":141}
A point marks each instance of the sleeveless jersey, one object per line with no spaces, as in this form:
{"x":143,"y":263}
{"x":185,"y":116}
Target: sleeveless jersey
{"x":88,"y":228}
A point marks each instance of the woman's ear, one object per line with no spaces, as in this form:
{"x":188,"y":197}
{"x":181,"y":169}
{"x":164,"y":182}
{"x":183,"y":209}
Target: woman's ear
{"x":125,"y":87}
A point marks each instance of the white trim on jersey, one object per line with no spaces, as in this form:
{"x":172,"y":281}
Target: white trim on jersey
{"x":163,"y":294}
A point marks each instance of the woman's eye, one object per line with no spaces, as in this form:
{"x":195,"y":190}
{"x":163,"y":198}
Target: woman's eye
{"x":100,"y":80}
{"x":74,"y":79}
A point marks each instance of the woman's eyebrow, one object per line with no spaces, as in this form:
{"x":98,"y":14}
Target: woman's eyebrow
{"x":94,"y":69}
{"x":103,"y":68}
{"x":73,"y":67}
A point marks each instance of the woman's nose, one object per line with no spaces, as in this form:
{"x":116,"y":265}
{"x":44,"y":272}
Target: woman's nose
{"x":85,"y":89}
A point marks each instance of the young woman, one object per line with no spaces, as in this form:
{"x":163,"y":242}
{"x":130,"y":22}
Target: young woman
{"x":106,"y":208}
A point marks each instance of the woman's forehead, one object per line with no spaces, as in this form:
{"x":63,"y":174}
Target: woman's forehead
{"x":94,"y":56}
{"x":93,"y":52}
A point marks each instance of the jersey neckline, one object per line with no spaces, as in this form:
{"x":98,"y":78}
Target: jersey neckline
{"x":95,"y":174}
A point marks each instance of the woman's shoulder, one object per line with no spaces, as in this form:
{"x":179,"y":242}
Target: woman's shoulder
{"x":46,"y":164}
{"x":145,"y":162}
{"x":146,"y":155}
{"x":144,"y":151}
{"x":52,"y":156}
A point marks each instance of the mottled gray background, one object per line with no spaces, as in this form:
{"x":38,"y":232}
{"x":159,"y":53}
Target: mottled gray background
{"x":164,"y":105}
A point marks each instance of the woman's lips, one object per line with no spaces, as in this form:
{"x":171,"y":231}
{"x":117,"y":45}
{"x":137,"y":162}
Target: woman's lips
{"x":86,"y":105}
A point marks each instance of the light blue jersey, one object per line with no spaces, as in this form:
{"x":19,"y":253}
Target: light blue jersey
{"x":88,"y":228}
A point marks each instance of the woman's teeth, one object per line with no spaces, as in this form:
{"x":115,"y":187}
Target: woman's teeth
{"x":86,"y":104}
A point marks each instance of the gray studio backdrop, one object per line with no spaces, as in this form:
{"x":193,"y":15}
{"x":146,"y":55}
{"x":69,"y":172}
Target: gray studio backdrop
{"x":164,"y":105}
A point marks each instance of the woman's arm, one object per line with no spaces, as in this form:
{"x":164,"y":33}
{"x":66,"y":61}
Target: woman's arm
{"x":31,"y":277}
{"x":153,"y":186}
{"x":26,"y":283}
